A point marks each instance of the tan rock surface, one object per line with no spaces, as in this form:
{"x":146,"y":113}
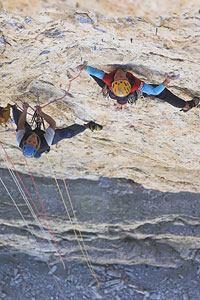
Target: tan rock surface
{"x":109,"y":8}
{"x":151,"y":143}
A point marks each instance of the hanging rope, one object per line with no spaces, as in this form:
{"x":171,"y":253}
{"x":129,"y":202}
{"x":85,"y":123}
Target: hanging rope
{"x":26,"y":201}
{"x":47,"y":218}
{"x":76,"y":220}
{"x":30,"y":229}
{"x":16,"y":207}
{"x":55,"y":100}
{"x":84,"y":251}
{"x":33,"y":203}
{"x":67,"y":92}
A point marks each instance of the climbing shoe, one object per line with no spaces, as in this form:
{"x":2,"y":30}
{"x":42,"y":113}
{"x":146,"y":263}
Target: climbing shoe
{"x":193,"y":103}
{"x":94,"y":126}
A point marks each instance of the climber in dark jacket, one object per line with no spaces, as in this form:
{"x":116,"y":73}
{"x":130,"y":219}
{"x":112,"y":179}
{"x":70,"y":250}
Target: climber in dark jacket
{"x":35,"y":142}
{"x":123,"y":86}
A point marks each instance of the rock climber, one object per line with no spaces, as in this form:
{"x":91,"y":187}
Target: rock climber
{"x":124,"y":87}
{"x":35,"y":142}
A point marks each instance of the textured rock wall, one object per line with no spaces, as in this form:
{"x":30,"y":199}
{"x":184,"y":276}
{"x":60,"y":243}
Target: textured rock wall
{"x":105,"y":7}
{"x":151,"y":142}
{"x":144,"y":237}
{"x":121,"y":222}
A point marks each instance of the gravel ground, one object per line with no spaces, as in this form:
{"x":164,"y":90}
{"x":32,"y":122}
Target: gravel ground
{"x":24,"y":278}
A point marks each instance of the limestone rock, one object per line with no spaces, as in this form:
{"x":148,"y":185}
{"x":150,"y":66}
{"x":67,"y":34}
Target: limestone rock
{"x":151,"y":143}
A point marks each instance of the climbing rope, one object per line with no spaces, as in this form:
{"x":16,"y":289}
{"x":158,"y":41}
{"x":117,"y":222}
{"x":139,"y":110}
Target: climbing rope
{"x":38,"y":212}
{"x":17,"y":207}
{"x":83,"y":249}
{"x":76,"y":220}
{"x":47,"y":218}
{"x":67,"y":92}
{"x":27,"y":203}
{"x":27,"y":225}
{"x":57,"y":99}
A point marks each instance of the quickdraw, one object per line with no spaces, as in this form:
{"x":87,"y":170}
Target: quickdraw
{"x":36,"y":119}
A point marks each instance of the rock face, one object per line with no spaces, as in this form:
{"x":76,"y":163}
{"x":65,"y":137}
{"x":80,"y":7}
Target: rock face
{"x":152,"y":143}
{"x":135,"y":184}
{"x":106,"y":7}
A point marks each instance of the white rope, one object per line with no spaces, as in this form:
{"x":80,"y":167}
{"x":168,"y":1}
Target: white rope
{"x":30,"y":229}
{"x":28,"y":204}
{"x":8,"y":159}
{"x":34,"y":216}
{"x":15,"y":204}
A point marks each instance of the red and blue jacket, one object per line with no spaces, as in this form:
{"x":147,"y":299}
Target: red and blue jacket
{"x":136,"y":84}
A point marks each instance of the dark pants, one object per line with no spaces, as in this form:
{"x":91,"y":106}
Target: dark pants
{"x":60,"y":134}
{"x":67,"y":132}
{"x":169,"y":97}
{"x":165,"y":95}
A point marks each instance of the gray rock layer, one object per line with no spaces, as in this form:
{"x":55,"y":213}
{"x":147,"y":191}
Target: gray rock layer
{"x":140,"y":243}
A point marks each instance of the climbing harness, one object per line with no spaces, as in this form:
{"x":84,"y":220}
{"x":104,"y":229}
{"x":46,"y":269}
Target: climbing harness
{"x":132,"y":99}
{"x":36,"y":119}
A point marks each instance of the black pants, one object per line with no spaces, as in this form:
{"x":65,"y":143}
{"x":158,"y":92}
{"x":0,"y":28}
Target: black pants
{"x":60,"y":134}
{"x":169,"y":97}
{"x":165,"y":95}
